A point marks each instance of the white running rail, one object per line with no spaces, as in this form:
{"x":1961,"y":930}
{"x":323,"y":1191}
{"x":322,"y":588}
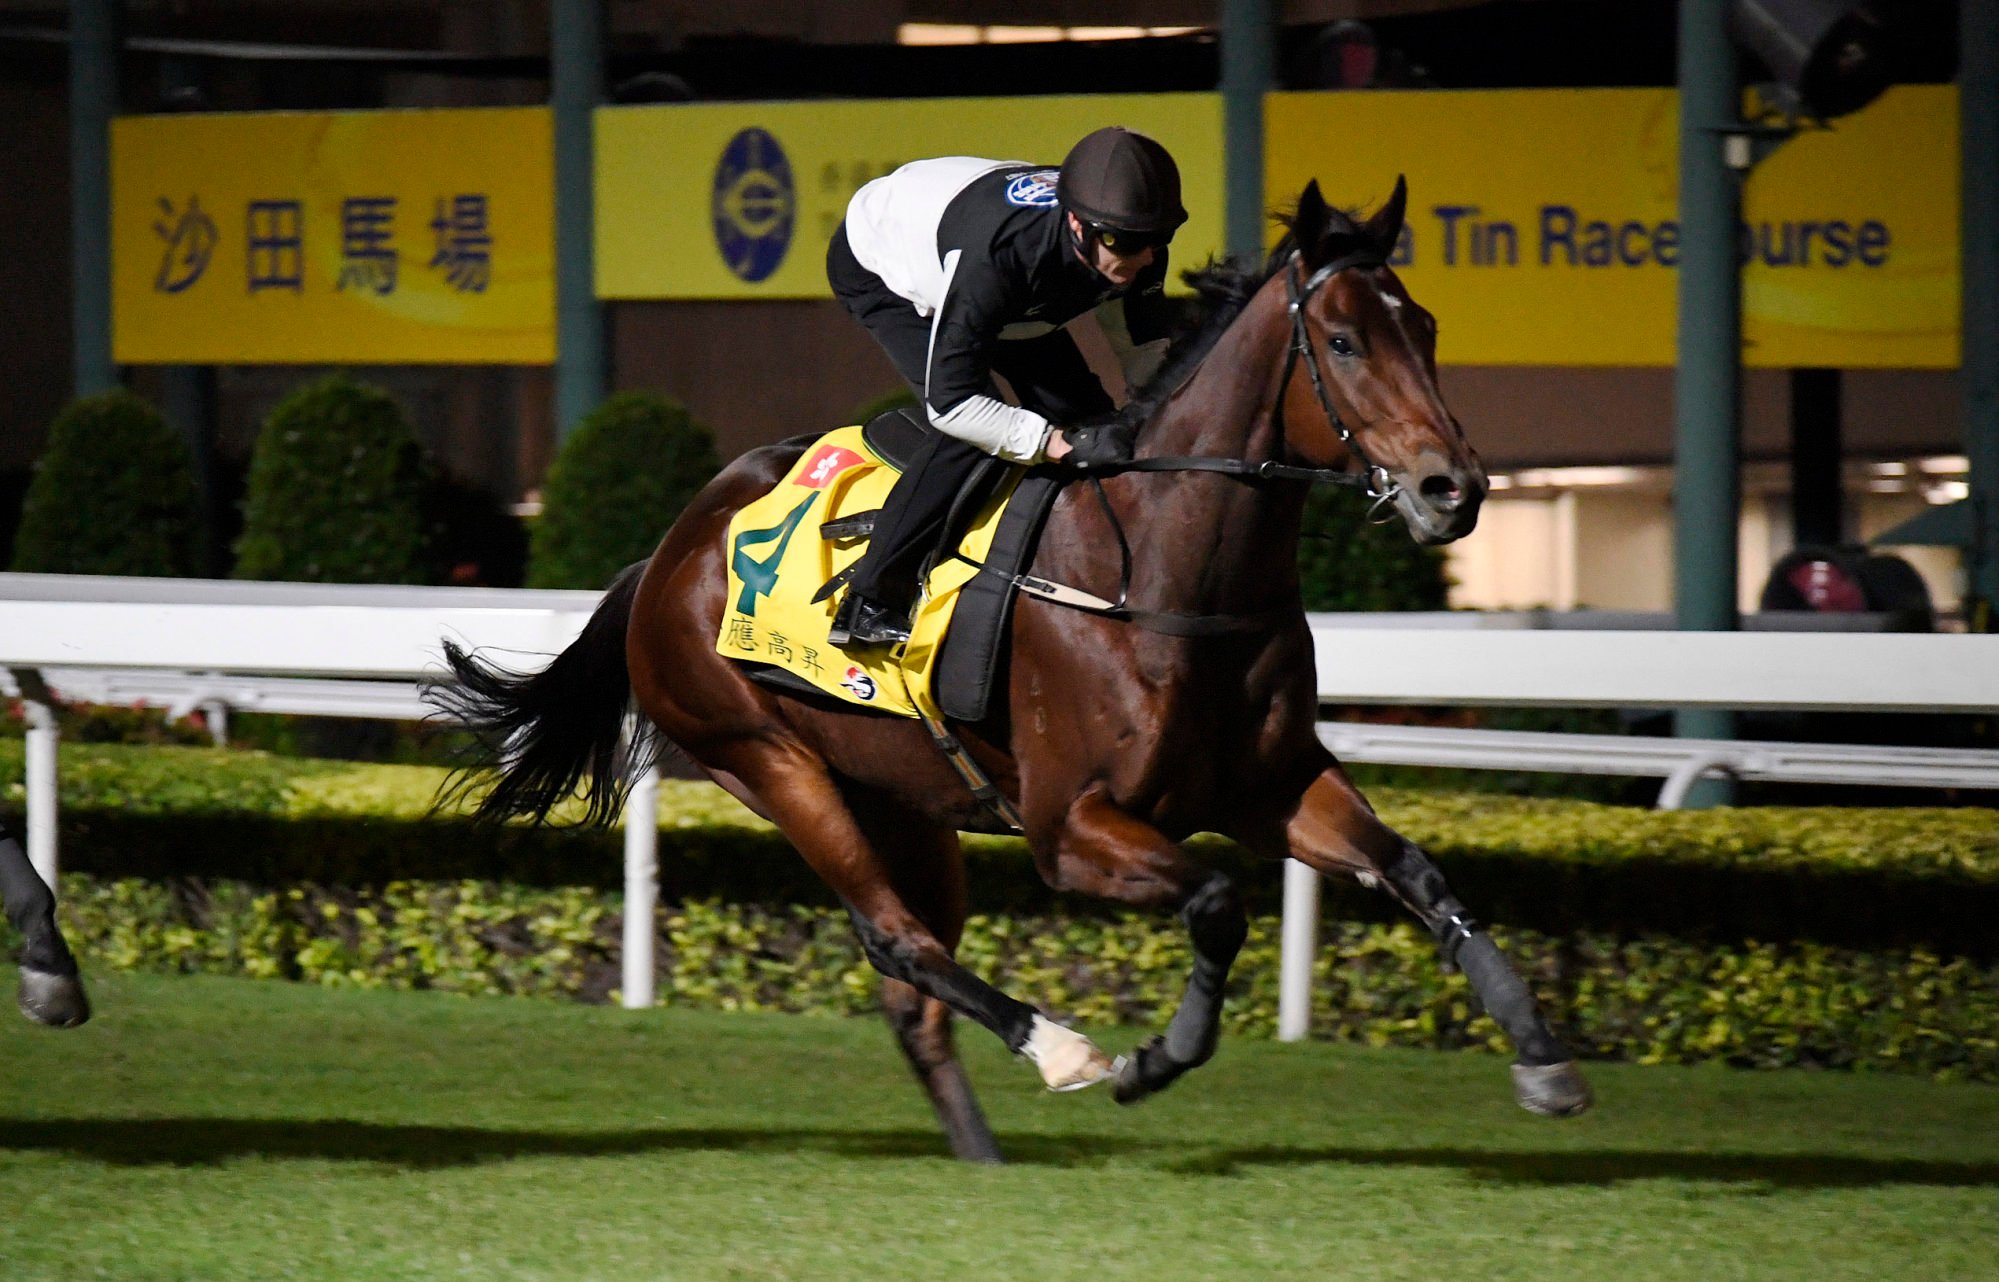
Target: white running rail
{"x":358,"y":651}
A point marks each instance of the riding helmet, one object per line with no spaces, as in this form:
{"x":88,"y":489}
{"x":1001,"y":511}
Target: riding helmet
{"x":1117,"y":178}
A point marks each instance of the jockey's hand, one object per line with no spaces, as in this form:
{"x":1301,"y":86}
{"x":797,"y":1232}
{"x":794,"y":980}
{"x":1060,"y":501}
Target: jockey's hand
{"x":1101,"y":445}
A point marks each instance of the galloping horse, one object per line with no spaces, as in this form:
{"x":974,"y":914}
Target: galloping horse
{"x":1192,"y":710}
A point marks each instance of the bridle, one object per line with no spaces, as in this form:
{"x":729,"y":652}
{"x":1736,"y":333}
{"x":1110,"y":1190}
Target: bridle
{"x":1373,"y":479}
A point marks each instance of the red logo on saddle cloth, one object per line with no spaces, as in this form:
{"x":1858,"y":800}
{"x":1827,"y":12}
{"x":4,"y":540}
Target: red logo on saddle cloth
{"x":828,"y":463}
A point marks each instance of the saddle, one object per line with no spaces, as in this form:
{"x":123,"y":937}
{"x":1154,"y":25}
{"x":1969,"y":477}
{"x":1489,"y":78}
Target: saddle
{"x":790,"y":550}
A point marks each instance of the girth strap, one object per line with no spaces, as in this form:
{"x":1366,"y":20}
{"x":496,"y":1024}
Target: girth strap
{"x":968,"y":771}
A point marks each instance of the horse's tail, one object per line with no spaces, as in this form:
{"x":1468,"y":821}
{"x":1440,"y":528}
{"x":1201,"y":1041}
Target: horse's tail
{"x":546,"y":732}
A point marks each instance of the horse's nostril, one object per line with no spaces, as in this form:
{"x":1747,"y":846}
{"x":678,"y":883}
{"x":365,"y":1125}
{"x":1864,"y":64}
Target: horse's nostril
{"x":1440,"y":491}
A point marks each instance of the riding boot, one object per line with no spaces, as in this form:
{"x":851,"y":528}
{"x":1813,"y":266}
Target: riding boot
{"x":861,"y":621}
{"x":908,"y":530}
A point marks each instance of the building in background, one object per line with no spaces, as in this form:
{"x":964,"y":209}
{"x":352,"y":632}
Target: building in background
{"x":1584,"y":451}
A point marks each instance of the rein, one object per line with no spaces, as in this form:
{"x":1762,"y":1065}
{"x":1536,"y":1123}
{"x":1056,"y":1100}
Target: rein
{"x":1372,"y":478}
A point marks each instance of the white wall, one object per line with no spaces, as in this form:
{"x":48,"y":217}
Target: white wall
{"x":1612,"y":549}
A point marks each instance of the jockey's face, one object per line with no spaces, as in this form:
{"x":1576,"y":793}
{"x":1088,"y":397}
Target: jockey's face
{"x":1118,"y":269}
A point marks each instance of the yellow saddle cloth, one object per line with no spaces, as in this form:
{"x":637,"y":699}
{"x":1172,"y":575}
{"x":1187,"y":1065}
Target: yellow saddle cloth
{"x":778,"y":560}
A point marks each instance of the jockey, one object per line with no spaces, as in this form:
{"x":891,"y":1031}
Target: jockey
{"x":964,"y":268}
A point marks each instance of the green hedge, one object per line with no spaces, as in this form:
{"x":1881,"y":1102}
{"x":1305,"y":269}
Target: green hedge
{"x":1848,"y":877}
{"x":1653,"y":1000}
{"x":1640,"y":930}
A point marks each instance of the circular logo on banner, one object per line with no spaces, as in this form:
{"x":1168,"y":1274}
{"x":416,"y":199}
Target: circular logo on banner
{"x":1036,"y":189}
{"x":753,"y":205}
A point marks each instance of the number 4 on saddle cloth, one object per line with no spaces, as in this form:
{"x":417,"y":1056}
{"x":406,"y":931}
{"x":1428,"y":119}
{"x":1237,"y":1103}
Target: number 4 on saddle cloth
{"x":788,"y":545}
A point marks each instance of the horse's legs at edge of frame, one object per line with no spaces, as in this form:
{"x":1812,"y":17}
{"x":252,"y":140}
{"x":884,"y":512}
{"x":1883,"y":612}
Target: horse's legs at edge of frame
{"x":51,"y":989}
{"x":1100,"y":850}
{"x":928,"y":871}
{"x":1334,"y":830}
{"x":807,"y":807}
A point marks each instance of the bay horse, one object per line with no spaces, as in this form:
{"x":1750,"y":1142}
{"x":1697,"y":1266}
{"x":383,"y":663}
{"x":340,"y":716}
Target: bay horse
{"x":1191,"y":711}
{"x":51,"y":989}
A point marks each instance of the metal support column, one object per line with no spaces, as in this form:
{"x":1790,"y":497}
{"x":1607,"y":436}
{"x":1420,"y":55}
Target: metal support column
{"x":577,"y":42}
{"x":1707,"y":480}
{"x":1298,"y":949}
{"x":1978,"y":106}
{"x":1249,"y":52}
{"x":641,"y":889}
{"x":93,"y":101}
{"x":41,"y":786}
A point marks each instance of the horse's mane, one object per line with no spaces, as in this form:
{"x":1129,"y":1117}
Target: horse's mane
{"x":1224,"y":287}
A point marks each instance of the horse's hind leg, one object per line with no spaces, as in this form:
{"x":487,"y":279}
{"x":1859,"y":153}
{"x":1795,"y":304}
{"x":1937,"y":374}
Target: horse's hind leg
{"x":928,"y":871}
{"x":1335,"y":830}
{"x":51,"y":988}
{"x":1103,"y":851}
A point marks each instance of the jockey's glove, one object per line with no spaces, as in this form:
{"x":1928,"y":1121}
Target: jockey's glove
{"x":1100,"y":445}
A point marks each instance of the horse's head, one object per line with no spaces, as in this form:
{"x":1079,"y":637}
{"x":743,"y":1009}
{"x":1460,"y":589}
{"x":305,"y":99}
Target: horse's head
{"x":1376,"y":350}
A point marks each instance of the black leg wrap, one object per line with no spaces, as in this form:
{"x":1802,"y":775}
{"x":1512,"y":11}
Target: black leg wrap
{"x":1217,"y":923}
{"x":1506,"y":999}
{"x":1012,"y":1021}
{"x":1453,"y":930}
{"x":32,"y":910}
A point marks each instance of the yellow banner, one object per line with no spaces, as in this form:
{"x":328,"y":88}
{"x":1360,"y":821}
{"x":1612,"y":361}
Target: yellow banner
{"x":738,"y":200}
{"x":388,"y":237}
{"x":1543,"y":225}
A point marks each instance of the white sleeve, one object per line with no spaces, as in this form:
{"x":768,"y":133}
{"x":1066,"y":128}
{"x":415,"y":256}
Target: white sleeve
{"x":978,"y":418}
{"x":995,"y":427}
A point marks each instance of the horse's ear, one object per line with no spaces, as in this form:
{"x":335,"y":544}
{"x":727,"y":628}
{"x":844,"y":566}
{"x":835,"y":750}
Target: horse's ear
{"x":1385,"y":228}
{"x":1308,"y":223}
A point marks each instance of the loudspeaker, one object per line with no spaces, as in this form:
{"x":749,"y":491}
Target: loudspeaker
{"x":1832,"y":57}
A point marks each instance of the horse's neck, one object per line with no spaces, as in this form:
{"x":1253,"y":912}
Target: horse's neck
{"x":1206,"y":542}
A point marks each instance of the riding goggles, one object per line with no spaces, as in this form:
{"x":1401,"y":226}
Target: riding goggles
{"x":1128,"y":244}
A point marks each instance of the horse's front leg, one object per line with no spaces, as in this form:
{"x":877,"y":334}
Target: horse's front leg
{"x":1101,"y":850}
{"x":1334,"y":830}
{"x":51,"y":988}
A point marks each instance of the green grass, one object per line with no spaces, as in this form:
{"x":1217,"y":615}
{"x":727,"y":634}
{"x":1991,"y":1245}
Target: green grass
{"x":221,"y":1129}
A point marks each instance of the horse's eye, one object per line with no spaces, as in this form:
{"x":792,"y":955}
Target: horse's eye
{"x":1341,"y":345}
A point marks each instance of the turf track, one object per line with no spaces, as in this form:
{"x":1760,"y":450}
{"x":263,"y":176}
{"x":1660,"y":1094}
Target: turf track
{"x":225,"y":1129}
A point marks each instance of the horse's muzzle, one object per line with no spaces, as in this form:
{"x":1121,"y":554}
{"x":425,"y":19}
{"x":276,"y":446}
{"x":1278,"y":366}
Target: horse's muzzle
{"x":1441,"y":504}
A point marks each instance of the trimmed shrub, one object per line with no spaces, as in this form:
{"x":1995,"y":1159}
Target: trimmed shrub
{"x":1757,"y":937}
{"x":1651,"y":1000}
{"x":1345,"y":563}
{"x":335,"y":490}
{"x":1875,"y":878}
{"x":621,"y":480}
{"x":113,"y":493}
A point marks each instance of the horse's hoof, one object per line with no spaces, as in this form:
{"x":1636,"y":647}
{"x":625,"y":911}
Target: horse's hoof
{"x":1068,"y":1060}
{"x":55,"y":1000}
{"x":1129,"y":1086}
{"x":1551,"y":1090}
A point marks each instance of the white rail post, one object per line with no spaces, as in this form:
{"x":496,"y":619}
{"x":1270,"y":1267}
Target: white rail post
{"x":1300,"y":946}
{"x":41,"y":782}
{"x":641,"y":888}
